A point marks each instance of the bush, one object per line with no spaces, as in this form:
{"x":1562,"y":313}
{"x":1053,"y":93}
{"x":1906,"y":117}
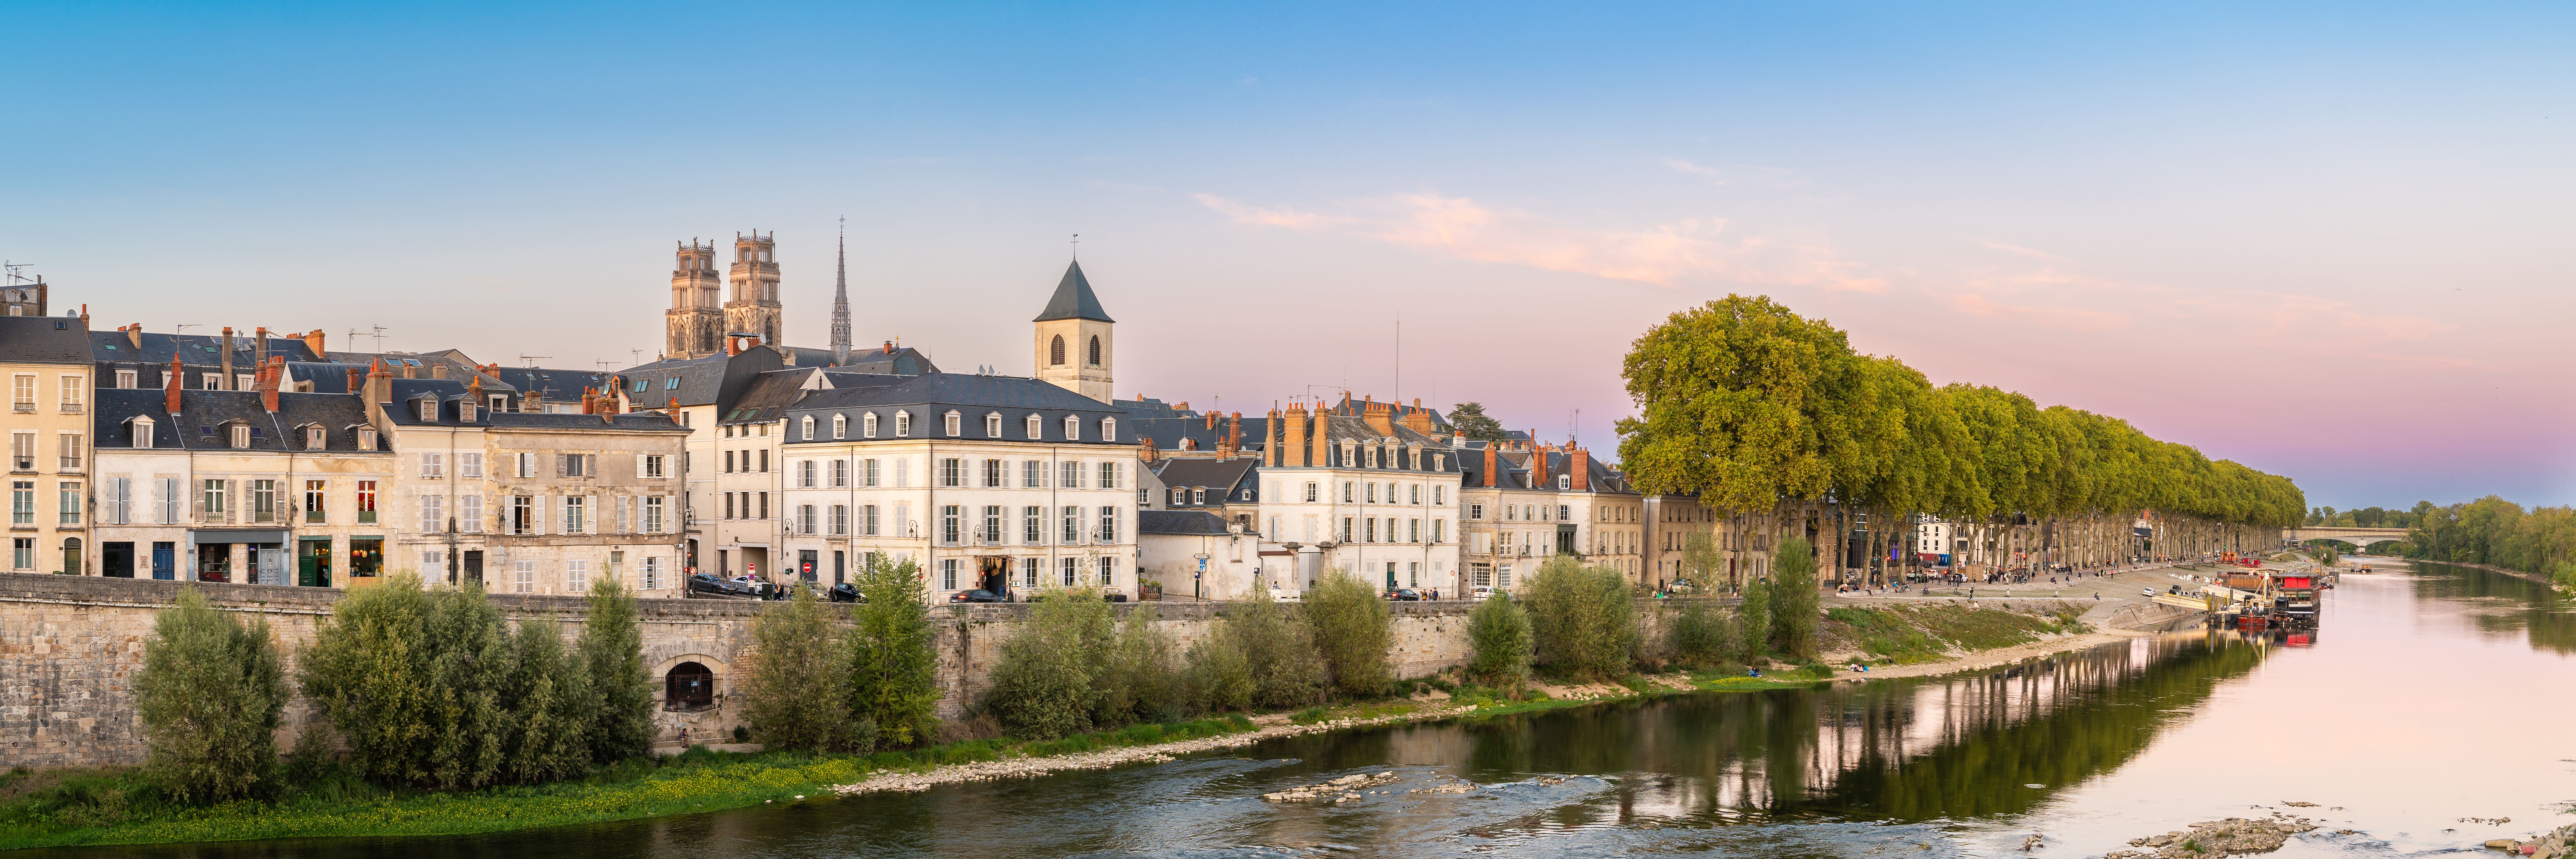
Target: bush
{"x":1795,"y":600}
{"x":552,"y":702}
{"x":1701,"y":637}
{"x":611,"y":656}
{"x":1218,"y":678}
{"x":1583,"y":619}
{"x":793,"y":692}
{"x":1753,"y":623}
{"x":364,"y":672}
{"x":469,"y":658}
{"x":1285,"y":667}
{"x":1351,"y":627}
{"x":1499,"y":632}
{"x":894,"y":676}
{"x":1146,"y":686}
{"x":1042,"y":687}
{"x":209,"y":696}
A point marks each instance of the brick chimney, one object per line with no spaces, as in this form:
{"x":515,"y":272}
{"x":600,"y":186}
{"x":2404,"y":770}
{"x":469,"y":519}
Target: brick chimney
{"x":134,"y":336}
{"x":1493,"y":463}
{"x":1188,"y":443}
{"x":1145,"y":450}
{"x":438,"y":370}
{"x":1581,"y":465}
{"x":312,"y":343}
{"x":1322,"y":436}
{"x":269,"y":376}
{"x":589,"y":404}
{"x":226,"y":383}
{"x":1270,"y":435}
{"x":1233,"y":439}
{"x":733,"y":346}
{"x":1418,"y":418}
{"x":170,"y":388}
{"x":259,"y":345}
{"x":889,"y":347}
{"x":1380,"y":417}
{"x":1539,"y":477}
{"x":1210,"y":420}
{"x":354,"y":383}
{"x":1292,"y":437}
{"x":380,"y":384}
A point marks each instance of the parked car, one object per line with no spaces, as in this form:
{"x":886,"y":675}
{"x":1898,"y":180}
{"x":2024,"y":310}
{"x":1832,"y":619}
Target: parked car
{"x":976,"y":595}
{"x":1285,"y":595}
{"x":846,"y":592}
{"x":1480,"y":593}
{"x":708,"y":584}
{"x":2148,"y":591}
{"x":1404,"y":594}
{"x":1113,"y":595}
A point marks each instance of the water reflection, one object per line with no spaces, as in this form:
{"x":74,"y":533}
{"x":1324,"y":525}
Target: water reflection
{"x":2501,"y":604}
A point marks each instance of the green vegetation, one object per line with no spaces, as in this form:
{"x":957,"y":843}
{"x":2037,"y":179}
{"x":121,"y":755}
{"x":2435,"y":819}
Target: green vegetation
{"x":1795,"y":600}
{"x":1044,"y":687}
{"x":1499,"y":632}
{"x":1351,"y":627}
{"x":612,"y":655}
{"x":1885,"y":634}
{"x":1471,"y":421}
{"x":1701,"y":637}
{"x":209,"y":696}
{"x":2496,"y":532}
{"x":1753,"y":624}
{"x":792,"y":687}
{"x":894,"y":677}
{"x":1583,"y":619}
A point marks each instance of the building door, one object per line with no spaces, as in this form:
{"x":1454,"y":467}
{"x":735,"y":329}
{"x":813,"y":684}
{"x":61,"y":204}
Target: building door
{"x":1390,"y":576}
{"x":72,"y":561}
{"x":165,"y":561}
{"x":313,"y":562}
{"x":805,"y":560}
{"x":474,"y":565}
{"x":116,"y":560}
{"x":839,"y":570}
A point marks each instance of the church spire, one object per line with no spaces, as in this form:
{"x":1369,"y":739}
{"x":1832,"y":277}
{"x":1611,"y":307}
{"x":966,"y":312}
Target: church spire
{"x":841,"y":301}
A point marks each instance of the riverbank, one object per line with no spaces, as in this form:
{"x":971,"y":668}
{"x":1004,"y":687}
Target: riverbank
{"x":2519,"y":574}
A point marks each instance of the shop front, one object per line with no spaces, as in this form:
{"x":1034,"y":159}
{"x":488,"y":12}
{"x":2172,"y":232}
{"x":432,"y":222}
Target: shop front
{"x":366,"y":560}
{"x":260,"y":559}
{"x":313,"y":562}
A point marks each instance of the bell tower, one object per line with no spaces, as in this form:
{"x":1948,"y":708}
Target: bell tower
{"x":754,"y":308}
{"x":1074,"y":346}
{"x":694,"y":325}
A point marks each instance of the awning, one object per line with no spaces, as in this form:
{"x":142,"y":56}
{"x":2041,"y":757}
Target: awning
{"x":238,"y":535}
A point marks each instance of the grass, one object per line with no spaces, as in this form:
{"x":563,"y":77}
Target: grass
{"x":1883,"y":633}
{"x":120,"y":806}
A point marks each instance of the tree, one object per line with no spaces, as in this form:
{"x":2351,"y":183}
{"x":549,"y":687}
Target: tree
{"x":794,"y":688}
{"x":551,"y":705}
{"x":1351,"y":627}
{"x":468,"y":660}
{"x":364,"y":672}
{"x":1701,"y":562}
{"x":1470,"y":420}
{"x":1147,"y":686}
{"x":894,"y":676}
{"x":1795,"y":601}
{"x":1278,"y":655}
{"x":1753,"y":622}
{"x":1583,"y":619}
{"x":612,"y":657}
{"x":1498,"y":631}
{"x":1700,"y":636}
{"x":210,"y":697}
{"x":1043,"y":687}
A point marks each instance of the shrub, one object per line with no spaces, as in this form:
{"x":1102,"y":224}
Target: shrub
{"x":1146,"y":686}
{"x":620,"y":687}
{"x":1795,"y":599}
{"x":1351,"y":628}
{"x":1499,"y":632}
{"x":551,"y":702}
{"x":1753,"y":623}
{"x":1285,"y":667}
{"x":364,"y":672}
{"x":894,"y":676}
{"x":210,"y":696}
{"x":1042,"y":687}
{"x":1218,"y":678}
{"x":1583,"y":619}
{"x":1701,"y":637}
{"x":793,"y":692}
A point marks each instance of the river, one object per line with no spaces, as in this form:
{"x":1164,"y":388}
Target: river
{"x":2428,"y":694}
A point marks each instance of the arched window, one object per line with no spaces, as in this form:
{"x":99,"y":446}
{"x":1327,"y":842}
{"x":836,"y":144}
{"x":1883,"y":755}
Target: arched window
{"x":142,"y":432}
{"x":1055,"y":352}
{"x":1072,"y":428}
{"x":956,"y":424}
{"x":1037,"y":428}
{"x":806,"y":427}
{"x":1108,"y":429}
{"x":902,"y":424}
{"x":993,"y":425}
{"x":1095,"y":350}
{"x":840,"y":426}
{"x":689,"y":687}
{"x":868,"y":425}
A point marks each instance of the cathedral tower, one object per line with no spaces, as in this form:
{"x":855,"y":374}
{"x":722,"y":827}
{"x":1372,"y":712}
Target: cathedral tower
{"x":754,"y":308}
{"x":694,"y":325}
{"x":1073,"y":338}
{"x":841,"y":305}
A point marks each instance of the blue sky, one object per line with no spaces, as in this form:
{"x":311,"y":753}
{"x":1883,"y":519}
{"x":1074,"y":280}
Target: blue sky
{"x":2322,"y":240}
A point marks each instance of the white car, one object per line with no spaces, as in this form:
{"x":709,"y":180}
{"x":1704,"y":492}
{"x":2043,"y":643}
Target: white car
{"x":1480,"y":593}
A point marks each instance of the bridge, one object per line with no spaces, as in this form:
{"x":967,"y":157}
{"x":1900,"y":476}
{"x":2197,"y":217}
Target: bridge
{"x":2363,"y":537}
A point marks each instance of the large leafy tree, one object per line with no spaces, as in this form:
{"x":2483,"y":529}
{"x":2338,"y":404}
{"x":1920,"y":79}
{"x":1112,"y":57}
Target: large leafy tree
{"x":1471,"y":421}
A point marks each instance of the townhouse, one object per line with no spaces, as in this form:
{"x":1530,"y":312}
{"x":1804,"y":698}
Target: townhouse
{"x":47,"y":362}
{"x":1525,"y":503}
{"x":1372,"y":494}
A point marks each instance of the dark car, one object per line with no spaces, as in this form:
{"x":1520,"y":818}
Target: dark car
{"x":976,"y":595}
{"x":709,"y":585}
{"x":1404,"y":594}
{"x":846,"y":592}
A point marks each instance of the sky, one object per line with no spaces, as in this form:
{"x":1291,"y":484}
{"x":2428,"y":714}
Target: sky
{"x":2325,"y":240}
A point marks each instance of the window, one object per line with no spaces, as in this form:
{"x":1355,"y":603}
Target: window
{"x":22,"y":553}
{"x":868,"y":520}
{"x":1413,"y":530}
{"x":1033,"y":474}
{"x":1372,"y":456}
{"x":142,"y":432}
{"x":212,"y":500}
{"x":1179,"y":495}
{"x":528,"y":465}
{"x":22,"y":393}
{"x":367,"y":439}
{"x":241,"y":436}
{"x":1108,"y":429}
{"x":805,"y":474}
{"x":1413,"y":493}
{"x":69,"y":501}
{"x":954,"y":423}
{"x":840,"y":426}
{"x":469,"y":513}
{"x":70,"y":443}
{"x":433,"y":466}
{"x":902,"y":473}
{"x":728,"y":505}
{"x":1199,"y":495}
{"x":428,"y":409}
{"x":1475,"y":511}
{"x":1029,"y":568}
{"x":1311,"y":490}
{"x":1037,"y":427}
{"x":1368,"y":528}
{"x":1564,"y":512}
{"x":431,"y":521}
{"x":952,"y":472}
{"x":994,"y":475}
{"x":1109,"y":475}
{"x":867,"y":472}
{"x":655,"y":466}
{"x":1072,"y":571}
{"x":576,"y":514}
{"x":1072,"y":524}
{"x":991,"y":534}
{"x":1564,"y":482}
{"x":1072,"y":428}
{"x":948,"y":525}
{"x":1439,"y":530}
{"x":652,"y":573}
{"x":469,"y":465}
{"x":948,"y":574}
{"x":764,"y":505}
{"x":993,"y":425}
{"x":522,"y":515}
{"x":868,"y":425}
{"x":1095,"y":350}
{"x":523,"y":577}
{"x":576,"y":465}
{"x":804,"y":519}
{"x":1350,"y":493}
{"x":840,"y":520}
{"x":22,"y":503}
{"x":805,"y":427}
{"x":207,"y":381}
{"x":1346,"y":529}
{"x":1372,"y":492}
{"x":125,"y":378}
{"x":1439,"y":496}
{"x":902,"y":424}
{"x":840,"y":473}
{"x":1032,"y":531}
{"x":1108,"y":571}
{"x":653,"y":514}
{"x":1055,"y":358}
{"x":1072,"y":476}
{"x":1109,"y":524}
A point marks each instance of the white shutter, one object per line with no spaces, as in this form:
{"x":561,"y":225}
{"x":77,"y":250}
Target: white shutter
{"x":639,"y":466}
{"x":232,"y":500}
{"x":562,"y":460}
{"x":590,"y":465}
{"x":544,"y":504}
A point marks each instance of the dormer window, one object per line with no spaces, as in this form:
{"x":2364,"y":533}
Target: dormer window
{"x":1439,"y":462}
{"x":1108,"y":429}
{"x":902,"y":424}
{"x":840,"y":426}
{"x":1372,"y":457}
{"x":955,"y":424}
{"x":1037,"y":427}
{"x":805,"y":427}
{"x":367,"y":438}
{"x":1072,"y":428}
{"x":868,"y":425}
{"x":1564,"y":482}
{"x":241,"y":436}
{"x":465,"y":410}
{"x":429,"y":409}
{"x":142,"y":432}
{"x":993,"y":425}
{"x":312,"y":438}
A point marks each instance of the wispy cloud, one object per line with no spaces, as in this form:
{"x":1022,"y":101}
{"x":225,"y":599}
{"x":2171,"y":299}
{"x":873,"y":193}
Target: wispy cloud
{"x":2059,"y":291}
{"x":1741,"y":174}
{"x":1685,"y":251}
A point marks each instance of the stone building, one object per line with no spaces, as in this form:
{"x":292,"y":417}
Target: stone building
{"x":1524,"y":503}
{"x":755,"y":309}
{"x":47,"y":362}
{"x":1075,"y":348}
{"x":1372,"y":495}
{"x":694,"y":327}
{"x":993,"y":482}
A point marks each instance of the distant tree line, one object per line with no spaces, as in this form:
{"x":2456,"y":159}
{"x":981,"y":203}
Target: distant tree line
{"x":2491,"y":530}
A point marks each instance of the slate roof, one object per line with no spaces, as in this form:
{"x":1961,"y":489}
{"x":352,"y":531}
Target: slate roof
{"x":929,"y":397}
{"x":900,"y":361}
{"x":112,"y":346}
{"x":557,"y":386}
{"x":851,"y":379}
{"x":627,"y":422}
{"x":325,"y":378}
{"x":1180,"y":522}
{"x":768,"y":396}
{"x":1073,"y":299}
{"x":1224,"y":474}
{"x":1145,"y":408}
{"x":46,"y":340}
{"x":204,"y":414}
{"x":709,"y":380}
{"x":1512,"y":471}
{"x":1167,"y":433}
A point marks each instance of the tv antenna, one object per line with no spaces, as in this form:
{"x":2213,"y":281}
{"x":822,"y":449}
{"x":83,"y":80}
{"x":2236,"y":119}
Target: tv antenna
{"x":184,"y":327}
{"x":15,"y":277}
{"x":1077,"y":246}
{"x":639,"y":355}
{"x":532,"y":359}
{"x":379,"y":334}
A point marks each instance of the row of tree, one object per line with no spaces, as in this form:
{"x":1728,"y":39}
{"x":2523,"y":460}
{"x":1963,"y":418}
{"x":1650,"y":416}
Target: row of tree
{"x":427,"y":688}
{"x":2491,"y":530}
{"x":2368,"y":517}
{"x":820,"y":678}
{"x":1759,"y":411}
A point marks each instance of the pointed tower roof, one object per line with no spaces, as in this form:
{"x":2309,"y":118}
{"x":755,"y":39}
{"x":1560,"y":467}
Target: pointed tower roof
{"x":1073,"y":299}
{"x":841,"y":305}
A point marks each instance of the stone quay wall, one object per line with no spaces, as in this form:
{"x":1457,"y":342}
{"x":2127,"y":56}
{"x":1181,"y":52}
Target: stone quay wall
{"x":70,"y":647}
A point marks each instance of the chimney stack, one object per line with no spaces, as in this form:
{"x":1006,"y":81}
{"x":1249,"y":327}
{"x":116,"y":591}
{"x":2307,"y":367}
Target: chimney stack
{"x":1270,"y":437}
{"x":1493,"y":463}
{"x":84,"y":316}
{"x":313,"y":343}
{"x":134,"y":336}
{"x":1292,"y":437}
{"x":380,"y":384}
{"x":1581,"y":466}
{"x":259,"y":345}
{"x":170,"y":389}
{"x":226,"y":382}
{"x":889,"y":347}
{"x":1418,"y":418}
{"x":1188,"y":443}
{"x":269,"y":376}
{"x":1233,"y":440}
{"x":1321,"y":435}
{"x":1146,"y":451}
{"x":438,"y":370}
{"x":1539,"y":477}
{"x":354,"y":383}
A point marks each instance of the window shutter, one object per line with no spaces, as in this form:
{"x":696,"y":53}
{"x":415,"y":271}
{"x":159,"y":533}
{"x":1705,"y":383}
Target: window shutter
{"x":590,"y":465}
{"x":590,"y":504}
{"x":639,"y":466}
{"x":621,"y":514}
{"x":561,"y":461}
{"x":232,"y":500}
{"x":543,"y":504}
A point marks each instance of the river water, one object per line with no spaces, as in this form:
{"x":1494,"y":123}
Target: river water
{"x":2428,"y":694}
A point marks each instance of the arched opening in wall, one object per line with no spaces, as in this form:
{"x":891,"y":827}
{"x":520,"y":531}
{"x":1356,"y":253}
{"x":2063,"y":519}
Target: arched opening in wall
{"x":1055,"y":352}
{"x":688,"y":687}
{"x":1095,"y":351}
